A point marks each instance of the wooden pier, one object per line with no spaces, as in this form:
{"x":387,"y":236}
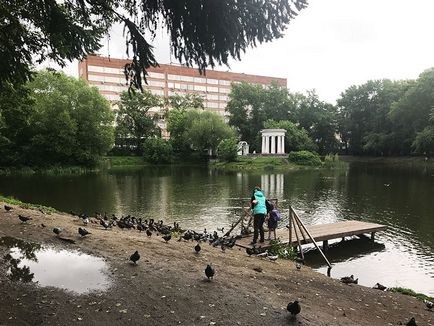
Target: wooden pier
{"x":320,"y":232}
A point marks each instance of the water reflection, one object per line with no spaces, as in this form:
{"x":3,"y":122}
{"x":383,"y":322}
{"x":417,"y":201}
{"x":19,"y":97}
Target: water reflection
{"x":69,"y":270}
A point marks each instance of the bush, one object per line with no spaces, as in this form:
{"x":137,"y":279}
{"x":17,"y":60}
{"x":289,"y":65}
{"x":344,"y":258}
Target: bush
{"x":284,"y":251}
{"x":304,"y":158}
{"x":157,"y":150}
{"x":227,"y":150}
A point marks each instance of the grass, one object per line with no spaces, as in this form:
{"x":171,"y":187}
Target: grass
{"x":412,"y":293}
{"x":255,"y":163}
{"x":53,"y":170}
{"x":115,"y":161}
{"x":13,"y":201}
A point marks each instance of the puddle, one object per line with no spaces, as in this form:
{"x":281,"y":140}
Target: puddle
{"x":69,"y":270}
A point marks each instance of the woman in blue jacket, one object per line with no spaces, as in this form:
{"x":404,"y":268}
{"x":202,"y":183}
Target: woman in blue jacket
{"x":259,"y":210}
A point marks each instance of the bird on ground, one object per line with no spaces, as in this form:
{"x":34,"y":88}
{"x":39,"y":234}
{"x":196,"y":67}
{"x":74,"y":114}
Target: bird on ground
{"x":428,"y":304}
{"x":23,"y":218}
{"x":273,"y":258}
{"x":294,"y":308}
{"x":42,"y":212}
{"x":209,"y":272}
{"x":349,"y":280}
{"x":411,"y":322}
{"x":135,"y":257}
{"x":197,"y":248}
{"x":8,"y":208}
{"x":262,"y":254}
{"x":148,"y":233}
{"x":251,"y":251}
{"x":104,"y":224}
{"x":221,"y":230}
{"x":57,"y":231}
{"x":83,"y":232}
{"x":167,"y":237}
{"x":380,"y":287}
{"x":298,"y":263}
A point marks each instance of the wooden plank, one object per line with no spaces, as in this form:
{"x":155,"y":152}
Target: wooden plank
{"x":323,"y":232}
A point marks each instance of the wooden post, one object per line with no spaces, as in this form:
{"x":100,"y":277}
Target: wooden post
{"x":290,"y":225}
{"x":372,"y":236}
{"x":325,"y":245}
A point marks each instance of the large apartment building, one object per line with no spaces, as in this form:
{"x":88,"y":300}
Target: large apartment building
{"x":107,"y":74}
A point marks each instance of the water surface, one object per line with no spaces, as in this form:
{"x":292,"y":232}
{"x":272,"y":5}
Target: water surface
{"x":398,"y":196}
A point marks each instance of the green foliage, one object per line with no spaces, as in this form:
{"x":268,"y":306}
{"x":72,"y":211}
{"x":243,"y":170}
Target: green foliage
{"x":125,"y":160}
{"x":207,"y":130}
{"x":333,"y":162}
{"x":305,"y":158}
{"x":157,"y":150}
{"x":135,"y":122}
{"x":227,"y":150}
{"x":411,"y":292}
{"x":13,"y":201}
{"x":55,"y":120}
{"x":185,"y":101}
{"x":193,"y":130}
{"x":284,"y":251}
{"x":388,"y":118}
{"x":204,"y":33}
{"x":255,"y":163}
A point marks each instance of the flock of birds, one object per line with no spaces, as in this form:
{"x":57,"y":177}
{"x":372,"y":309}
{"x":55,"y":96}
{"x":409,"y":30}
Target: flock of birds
{"x":151,"y":227}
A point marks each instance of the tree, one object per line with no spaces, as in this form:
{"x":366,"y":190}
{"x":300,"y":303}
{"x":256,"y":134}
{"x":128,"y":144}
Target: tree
{"x":251,"y":105}
{"x":72,"y":122}
{"x":207,"y":130}
{"x":54,"y":119}
{"x":227,"y":149}
{"x":157,"y":150}
{"x":410,"y":114}
{"x":203,"y":32}
{"x":135,"y":120}
{"x":364,"y":117}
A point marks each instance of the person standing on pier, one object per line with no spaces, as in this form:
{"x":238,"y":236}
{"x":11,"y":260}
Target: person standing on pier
{"x":259,"y":210}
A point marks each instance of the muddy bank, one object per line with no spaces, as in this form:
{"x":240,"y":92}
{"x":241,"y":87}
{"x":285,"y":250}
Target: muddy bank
{"x":168,"y":286}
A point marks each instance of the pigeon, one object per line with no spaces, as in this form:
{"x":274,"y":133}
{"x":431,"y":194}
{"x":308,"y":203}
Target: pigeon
{"x":298,"y":262}
{"x":349,"y":280}
{"x":8,"y":208}
{"x":428,"y":304}
{"x":104,"y":224}
{"x":294,"y":308}
{"x":411,"y":322}
{"x":250,"y":251}
{"x":197,"y":248}
{"x":273,"y":258}
{"x":262,"y":254}
{"x":379,"y":286}
{"x":209,"y":272}
{"x":57,"y":231}
{"x":83,"y":232}
{"x":135,"y":257}
{"x":221,"y":230}
{"x":167,"y":237}
{"x":148,"y":233}
{"x":23,"y":218}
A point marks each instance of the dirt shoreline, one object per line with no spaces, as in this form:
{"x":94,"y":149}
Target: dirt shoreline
{"x":168,"y":286}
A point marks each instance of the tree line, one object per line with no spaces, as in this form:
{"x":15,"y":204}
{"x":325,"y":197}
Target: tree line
{"x":55,"y":119}
{"x":380,"y":117}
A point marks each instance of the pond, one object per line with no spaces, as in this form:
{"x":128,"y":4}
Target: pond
{"x":400,"y":197}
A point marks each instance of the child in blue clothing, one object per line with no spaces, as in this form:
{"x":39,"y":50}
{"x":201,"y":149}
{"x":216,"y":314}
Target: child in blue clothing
{"x":273,"y":218}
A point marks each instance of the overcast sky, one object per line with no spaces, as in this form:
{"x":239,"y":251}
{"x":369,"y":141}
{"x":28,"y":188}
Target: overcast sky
{"x":332,"y":45}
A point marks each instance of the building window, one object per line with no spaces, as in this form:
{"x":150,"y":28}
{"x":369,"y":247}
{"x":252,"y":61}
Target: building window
{"x":174,"y":77}
{"x":156,"y":83}
{"x":212,"y":89}
{"x":212,"y":97}
{"x":224,"y":90}
{"x":156,"y":75}
{"x":200,"y":88}
{"x":199,"y":80}
{"x":224,"y":82}
{"x":187,"y":78}
{"x":212,"y":81}
{"x":223,"y":98}
{"x":157,"y":92}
